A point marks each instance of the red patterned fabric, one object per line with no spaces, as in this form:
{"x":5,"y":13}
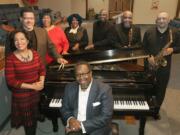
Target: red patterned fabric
{"x":30,"y":2}
{"x":60,"y":41}
{"x":24,"y":101}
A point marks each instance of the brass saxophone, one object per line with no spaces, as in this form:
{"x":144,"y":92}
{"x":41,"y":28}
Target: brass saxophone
{"x":130,"y":37}
{"x":159,"y":59}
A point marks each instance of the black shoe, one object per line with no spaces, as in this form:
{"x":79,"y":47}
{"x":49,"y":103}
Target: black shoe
{"x":115,"y":128}
{"x":55,"y":128}
{"x":157,"y":117}
{"x":41,"y":118}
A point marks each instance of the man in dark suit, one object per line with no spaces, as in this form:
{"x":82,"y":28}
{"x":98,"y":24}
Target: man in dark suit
{"x":87,"y":104}
{"x":127,"y":34}
{"x":39,"y":39}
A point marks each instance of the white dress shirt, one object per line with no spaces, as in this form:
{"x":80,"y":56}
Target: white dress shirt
{"x":82,"y":105}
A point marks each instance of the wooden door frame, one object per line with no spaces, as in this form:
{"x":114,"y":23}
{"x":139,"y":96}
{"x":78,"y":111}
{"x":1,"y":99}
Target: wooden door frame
{"x":178,"y":9}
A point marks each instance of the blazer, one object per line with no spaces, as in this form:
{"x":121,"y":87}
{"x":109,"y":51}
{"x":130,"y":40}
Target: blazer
{"x":44,"y":44}
{"x":99,"y":107}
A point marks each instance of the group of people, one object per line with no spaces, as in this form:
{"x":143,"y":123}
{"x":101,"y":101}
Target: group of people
{"x":87,"y":105}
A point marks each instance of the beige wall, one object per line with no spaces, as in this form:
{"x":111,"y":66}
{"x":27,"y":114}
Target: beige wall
{"x":73,"y":6}
{"x":98,"y":4}
{"x":57,"y":5}
{"x":78,"y":6}
{"x":11,"y":1}
{"x":143,"y":14}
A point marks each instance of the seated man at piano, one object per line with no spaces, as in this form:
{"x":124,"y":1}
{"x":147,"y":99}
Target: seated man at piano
{"x":87,"y":105}
{"x":101,"y":31}
{"x":127,"y":35}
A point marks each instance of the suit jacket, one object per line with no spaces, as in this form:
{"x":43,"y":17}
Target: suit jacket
{"x":98,"y":117}
{"x":44,"y":44}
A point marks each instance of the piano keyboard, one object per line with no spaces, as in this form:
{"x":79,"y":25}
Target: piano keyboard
{"x":55,"y":103}
{"x":130,"y":105}
{"x":118,"y":104}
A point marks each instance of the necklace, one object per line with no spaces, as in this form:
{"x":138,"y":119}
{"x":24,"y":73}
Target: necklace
{"x":25,"y":58}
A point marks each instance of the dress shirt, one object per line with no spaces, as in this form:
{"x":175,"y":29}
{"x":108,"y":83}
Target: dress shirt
{"x":82,"y":105}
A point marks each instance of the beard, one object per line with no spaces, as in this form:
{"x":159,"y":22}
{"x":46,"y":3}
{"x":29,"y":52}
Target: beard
{"x":84,"y":86}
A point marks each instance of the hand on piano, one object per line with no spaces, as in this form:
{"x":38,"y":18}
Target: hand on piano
{"x":88,"y":47}
{"x":76,"y":47}
{"x":62,"y":61}
{"x":151,"y":60}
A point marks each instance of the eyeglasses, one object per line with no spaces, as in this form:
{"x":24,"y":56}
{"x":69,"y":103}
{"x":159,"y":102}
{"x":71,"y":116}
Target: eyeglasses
{"x":28,"y":18}
{"x":82,"y":74}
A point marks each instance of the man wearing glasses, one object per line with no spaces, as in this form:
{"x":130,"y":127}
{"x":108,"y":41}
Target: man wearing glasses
{"x":87,"y":104}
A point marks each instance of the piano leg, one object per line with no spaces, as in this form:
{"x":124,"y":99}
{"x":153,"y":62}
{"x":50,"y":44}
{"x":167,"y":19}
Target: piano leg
{"x":142,"y":125}
{"x":55,"y":124}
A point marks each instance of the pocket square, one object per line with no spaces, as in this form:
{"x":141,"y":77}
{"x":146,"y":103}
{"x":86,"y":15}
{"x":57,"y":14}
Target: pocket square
{"x":96,"y":104}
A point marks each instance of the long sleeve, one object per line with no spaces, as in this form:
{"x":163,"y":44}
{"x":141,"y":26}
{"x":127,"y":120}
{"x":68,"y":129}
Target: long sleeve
{"x":67,"y":110}
{"x":176,"y":41}
{"x":145,"y":43}
{"x":10,"y":73}
{"x":64,"y":41}
{"x":106,"y":39}
{"x":137,"y":41}
{"x":84,"y":40}
{"x":42,"y":69}
{"x":51,"y":48}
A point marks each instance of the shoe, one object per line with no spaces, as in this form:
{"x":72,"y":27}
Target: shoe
{"x":41,"y":118}
{"x":157,"y":117}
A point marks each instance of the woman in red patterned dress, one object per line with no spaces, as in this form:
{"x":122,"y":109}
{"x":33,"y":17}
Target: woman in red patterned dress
{"x":25,"y":76}
{"x":57,"y":35}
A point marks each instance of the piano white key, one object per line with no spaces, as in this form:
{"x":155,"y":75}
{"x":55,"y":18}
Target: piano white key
{"x":130,"y":105}
{"x":55,"y":103}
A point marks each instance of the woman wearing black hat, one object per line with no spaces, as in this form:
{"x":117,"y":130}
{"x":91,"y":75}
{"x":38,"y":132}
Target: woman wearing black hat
{"x":76,"y":34}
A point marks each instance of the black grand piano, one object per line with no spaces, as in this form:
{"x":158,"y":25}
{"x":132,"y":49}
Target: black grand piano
{"x":133,"y":87}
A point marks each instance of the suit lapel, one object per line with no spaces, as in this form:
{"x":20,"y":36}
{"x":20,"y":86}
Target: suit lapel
{"x":76,"y":93}
{"x":37,"y":38}
{"x":92,"y":96}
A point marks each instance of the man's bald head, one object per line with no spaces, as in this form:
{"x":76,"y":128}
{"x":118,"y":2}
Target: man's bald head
{"x":103,"y":15}
{"x":127,"y":12}
{"x":162,"y":20}
{"x":127,"y":18}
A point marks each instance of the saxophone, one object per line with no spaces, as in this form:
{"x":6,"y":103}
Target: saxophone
{"x":159,"y":59}
{"x":130,"y":37}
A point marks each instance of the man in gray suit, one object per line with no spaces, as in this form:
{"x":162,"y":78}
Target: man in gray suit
{"x":87,"y":105}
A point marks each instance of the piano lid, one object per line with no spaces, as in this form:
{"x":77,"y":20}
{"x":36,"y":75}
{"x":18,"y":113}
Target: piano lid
{"x":103,"y":56}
